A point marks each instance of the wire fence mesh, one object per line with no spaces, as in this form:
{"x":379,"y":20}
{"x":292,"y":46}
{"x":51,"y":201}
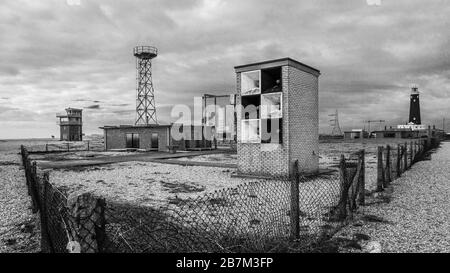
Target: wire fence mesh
{"x":394,"y":161}
{"x":247,"y":218}
{"x":63,"y":146}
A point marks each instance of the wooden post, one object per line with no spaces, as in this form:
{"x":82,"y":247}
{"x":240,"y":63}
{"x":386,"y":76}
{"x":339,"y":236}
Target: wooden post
{"x":411,"y":155}
{"x":362,"y":182}
{"x":399,"y":158}
{"x":341,"y":212}
{"x":46,"y":242}
{"x":388,"y":177}
{"x":87,"y":217}
{"x":88,"y":146}
{"x":380,"y":169}
{"x":355,"y":186}
{"x":295,"y":204}
{"x":32,"y":188}
{"x":46,"y":147}
{"x":405,"y":155}
{"x":68,"y":146}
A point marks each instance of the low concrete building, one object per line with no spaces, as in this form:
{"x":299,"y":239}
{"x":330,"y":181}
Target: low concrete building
{"x":396,"y":133}
{"x":356,"y":134}
{"x":155,"y":137}
{"x":409,"y":131}
{"x":146,"y":137}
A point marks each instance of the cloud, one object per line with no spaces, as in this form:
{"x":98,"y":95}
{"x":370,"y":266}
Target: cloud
{"x":56,"y":55}
{"x":95,"y":106}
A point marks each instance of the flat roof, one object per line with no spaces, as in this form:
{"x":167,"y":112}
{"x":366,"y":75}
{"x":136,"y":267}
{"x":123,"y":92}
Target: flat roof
{"x":276,"y":63}
{"x":136,"y":126}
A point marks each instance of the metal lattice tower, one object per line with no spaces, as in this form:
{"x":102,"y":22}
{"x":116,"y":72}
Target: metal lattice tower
{"x":335,"y":123}
{"x":145,"y":102}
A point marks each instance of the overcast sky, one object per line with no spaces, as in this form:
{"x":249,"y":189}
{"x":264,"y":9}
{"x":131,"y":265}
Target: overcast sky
{"x":78,"y":53}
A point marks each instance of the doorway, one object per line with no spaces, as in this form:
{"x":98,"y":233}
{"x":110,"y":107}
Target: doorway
{"x":154,"y":141}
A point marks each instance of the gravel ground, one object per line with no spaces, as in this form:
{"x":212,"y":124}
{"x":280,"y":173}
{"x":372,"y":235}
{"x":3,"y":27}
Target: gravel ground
{"x":226,"y":158}
{"x":18,"y":230}
{"x":413,"y":216}
{"x":146,"y":183}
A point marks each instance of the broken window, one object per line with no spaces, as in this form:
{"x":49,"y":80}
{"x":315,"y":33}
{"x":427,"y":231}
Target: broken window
{"x":250,"y":83}
{"x":271,"y":105}
{"x":251,"y":105}
{"x":271,"y":80}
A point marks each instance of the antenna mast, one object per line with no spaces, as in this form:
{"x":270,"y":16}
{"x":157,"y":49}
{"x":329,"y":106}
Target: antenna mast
{"x":145,"y":101}
{"x":335,"y":123}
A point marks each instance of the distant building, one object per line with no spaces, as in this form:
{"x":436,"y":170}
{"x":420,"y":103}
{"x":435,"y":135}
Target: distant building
{"x":71,"y":125}
{"x":410,"y":131}
{"x":356,"y":134}
{"x":447,"y":136}
{"x":414,"y":109}
{"x":414,"y":128}
{"x":398,"y":133}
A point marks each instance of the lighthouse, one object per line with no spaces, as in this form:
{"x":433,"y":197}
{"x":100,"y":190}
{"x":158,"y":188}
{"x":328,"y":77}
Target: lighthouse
{"x":414,"y":109}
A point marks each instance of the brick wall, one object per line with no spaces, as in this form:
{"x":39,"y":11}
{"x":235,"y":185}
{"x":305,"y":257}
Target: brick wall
{"x":303,"y":100}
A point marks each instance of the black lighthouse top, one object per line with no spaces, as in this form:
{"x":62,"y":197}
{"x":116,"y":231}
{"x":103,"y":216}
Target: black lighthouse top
{"x":414,"y":109}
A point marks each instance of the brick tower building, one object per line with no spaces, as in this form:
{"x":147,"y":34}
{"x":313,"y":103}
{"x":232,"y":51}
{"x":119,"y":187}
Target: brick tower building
{"x":277,"y":118}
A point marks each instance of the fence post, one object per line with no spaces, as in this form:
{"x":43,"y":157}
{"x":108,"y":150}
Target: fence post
{"x":88,"y":146}
{"x":411,"y":155}
{"x":399,"y":158}
{"x":26,"y":167}
{"x":46,"y":243}
{"x":405,"y":155}
{"x":32,"y":188}
{"x":355,"y":186}
{"x":388,"y":177}
{"x":415,"y":150}
{"x":68,"y":146}
{"x":362,"y":182}
{"x":87,"y":217}
{"x":341,"y":212}
{"x":380,"y":170}
{"x":295,"y":203}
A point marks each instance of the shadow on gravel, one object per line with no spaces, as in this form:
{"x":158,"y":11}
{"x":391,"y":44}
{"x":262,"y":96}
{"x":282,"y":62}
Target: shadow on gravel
{"x":374,"y":219}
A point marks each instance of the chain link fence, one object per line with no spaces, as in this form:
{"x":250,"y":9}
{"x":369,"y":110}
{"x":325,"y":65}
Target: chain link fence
{"x":393,"y":162}
{"x":64,"y":147}
{"x":262,"y":216}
